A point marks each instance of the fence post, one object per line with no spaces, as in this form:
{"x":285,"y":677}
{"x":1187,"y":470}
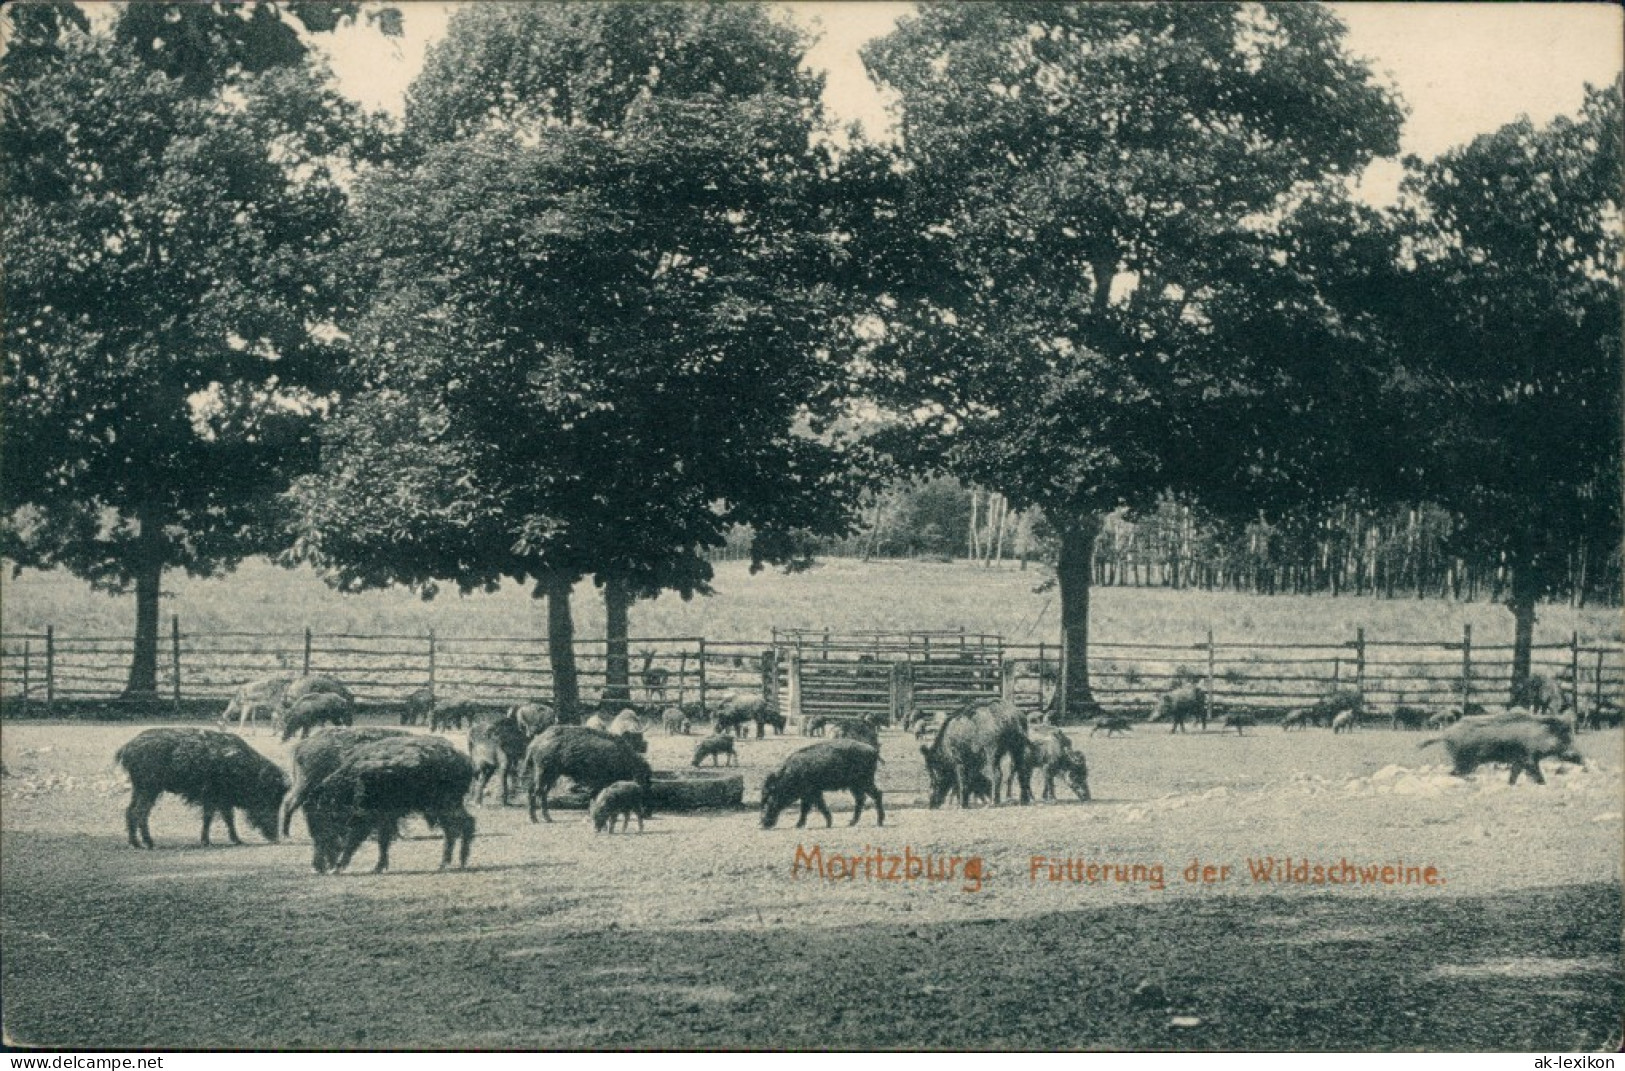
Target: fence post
{"x":1359,"y":661}
{"x":770,"y":676}
{"x":702,"y":676}
{"x":682,"y":675}
{"x":1041,"y":653}
{"x":175,"y":654}
{"x":307,"y":650}
{"x":1060,"y":696}
{"x":1574,"y":673}
{"x":26,"y":655}
{"x":1007,"y":681}
{"x":1466,"y":665}
{"x":902,"y":693}
{"x":1597,"y":699}
{"x":793,"y":677}
{"x":1207,"y":703}
{"x":50,"y":667}
{"x":431,"y":664}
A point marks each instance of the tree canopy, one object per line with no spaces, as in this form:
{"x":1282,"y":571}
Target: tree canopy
{"x":528,"y":66}
{"x":169,"y":256}
{"x":616,"y":312}
{"x":1107,"y":216}
{"x":1512,"y":337}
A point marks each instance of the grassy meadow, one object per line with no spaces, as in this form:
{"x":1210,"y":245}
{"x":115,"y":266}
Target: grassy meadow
{"x":839,"y":594}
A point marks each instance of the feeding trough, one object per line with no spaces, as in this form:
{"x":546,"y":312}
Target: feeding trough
{"x":675,"y":790}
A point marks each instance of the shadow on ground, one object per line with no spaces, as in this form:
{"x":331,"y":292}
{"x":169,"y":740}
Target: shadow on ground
{"x":216,"y":962}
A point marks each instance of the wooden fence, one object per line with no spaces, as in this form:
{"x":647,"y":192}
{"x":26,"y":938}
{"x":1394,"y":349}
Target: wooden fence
{"x":42,"y":669}
{"x":814,"y":673}
{"x":1432,"y":675}
{"x":887,"y":675}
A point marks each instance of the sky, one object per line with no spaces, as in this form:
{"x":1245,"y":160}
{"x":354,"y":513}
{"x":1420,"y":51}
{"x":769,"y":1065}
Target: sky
{"x":1462,"y":68}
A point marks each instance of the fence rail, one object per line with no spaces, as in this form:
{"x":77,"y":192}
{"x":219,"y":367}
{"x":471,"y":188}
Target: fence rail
{"x":885,"y":674}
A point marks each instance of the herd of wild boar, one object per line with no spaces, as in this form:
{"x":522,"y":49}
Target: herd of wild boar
{"x":355,"y":784}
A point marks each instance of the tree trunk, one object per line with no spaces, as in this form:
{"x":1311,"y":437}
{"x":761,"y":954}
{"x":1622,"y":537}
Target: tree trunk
{"x":617,"y":661}
{"x":1074,"y":571}
{"x":561,"y":652}
{"x":149,"y":575}
{"x":1522,"y":605}
{"x":971,"y":549}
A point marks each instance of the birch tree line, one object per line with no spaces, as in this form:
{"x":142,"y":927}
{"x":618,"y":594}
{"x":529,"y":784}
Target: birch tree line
{"x":1405,"y":551}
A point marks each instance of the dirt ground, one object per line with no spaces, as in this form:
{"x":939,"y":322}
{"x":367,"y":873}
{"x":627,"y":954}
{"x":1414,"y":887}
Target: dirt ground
{"x":700,"y":932}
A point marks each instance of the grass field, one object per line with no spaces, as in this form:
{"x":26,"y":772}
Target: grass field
{"x":838,"y":594}
{"x":700,"y":933}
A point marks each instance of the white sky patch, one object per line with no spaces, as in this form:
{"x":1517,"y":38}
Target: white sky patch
{"x":1462,"y":68}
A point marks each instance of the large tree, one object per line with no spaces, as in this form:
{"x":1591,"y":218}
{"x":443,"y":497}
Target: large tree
{"x":605,"y":279}
{"x":1094,"y":242}
{"x":1513,"y":337}
{"x":167,"y":238}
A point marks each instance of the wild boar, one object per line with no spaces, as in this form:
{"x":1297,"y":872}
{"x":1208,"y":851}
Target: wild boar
{"x":1519,"y":740}
{"x":831,"y":766}
{"x":213,"y":770}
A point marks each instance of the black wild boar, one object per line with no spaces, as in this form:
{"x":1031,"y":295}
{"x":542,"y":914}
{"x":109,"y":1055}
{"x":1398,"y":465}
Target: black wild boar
{"x":1240,"y":722}
{"x":1539,"y":694}
{"x":1519,"y":740}
{"x":969,"y":746}
{"x":730,"y":719}
{"x":534,"y":717}
{"x":925,"y":727}
{"x":629,"y":727}
{"x":1053,"y":753}
{"x":674,"y":721}
{"x":737,"y":716}
{"x":1405,"y":717}
{"x":451,"y":711}
{"x":315,"y":758}
{"x":316,"y":684}
{"x":714,"y":747}
{"x":858,"y":729}
{"x":627,"y":721}
{"x":317,"y":708}
{"x":311,"y":684}
{"x":496,"y":746}
{"x":1112,"y":725}
{"x":1297,"y":719}
{"x":1605,"y":716}
{"x":1335,"y":702}
{"x":1444,"y":719}
{"x":621,"y":800}
{"x":593,"y":760}
{"x":210,"y":769}
{"x":1180,"y":704}
{"x":419,"y":706}
{"x":831,"y":766}
{"x":377,"y":785}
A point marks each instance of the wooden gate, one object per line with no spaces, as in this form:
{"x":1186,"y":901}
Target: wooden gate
{"x":887,"y":677}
